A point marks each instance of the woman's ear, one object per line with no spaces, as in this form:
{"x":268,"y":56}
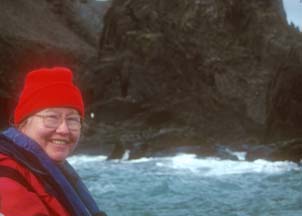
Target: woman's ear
{"x":22,"y":125}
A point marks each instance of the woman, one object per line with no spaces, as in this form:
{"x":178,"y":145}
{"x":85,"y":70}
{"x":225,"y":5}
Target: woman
{"x":35,"y":178}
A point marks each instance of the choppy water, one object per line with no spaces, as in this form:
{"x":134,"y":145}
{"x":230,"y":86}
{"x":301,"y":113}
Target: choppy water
{"x":185,"y":185}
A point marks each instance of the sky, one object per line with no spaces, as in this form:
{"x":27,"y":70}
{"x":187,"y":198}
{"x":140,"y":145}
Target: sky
{"x":293,"y":9}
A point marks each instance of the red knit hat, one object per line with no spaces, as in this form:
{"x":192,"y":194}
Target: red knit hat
{"x":48,"y":87}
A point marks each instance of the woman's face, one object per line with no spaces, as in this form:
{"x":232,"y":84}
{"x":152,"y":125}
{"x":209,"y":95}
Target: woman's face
{"x":56,"y":130}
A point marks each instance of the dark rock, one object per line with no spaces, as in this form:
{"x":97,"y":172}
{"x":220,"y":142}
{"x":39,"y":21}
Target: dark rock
{"x":116,"y":110}
{"x":165,"y":76}
{"x":139,"y":150}
{"x":202,"y":66}
{"x":290,"y":150}
{"x":33,"y":34}
{"x":201,"y":62}
{"x":284,"y":105}
{"x":82,"y":17}
{"x":117,"y":152}
{"x":259,"y":152}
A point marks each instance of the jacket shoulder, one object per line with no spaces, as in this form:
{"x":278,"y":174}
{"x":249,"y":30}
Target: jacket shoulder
{"x":6,"y":160}
{"x":40,"y":202}
{"x":11,"y":187}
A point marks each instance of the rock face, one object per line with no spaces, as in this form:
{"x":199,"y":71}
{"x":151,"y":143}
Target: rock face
{"x":284,"y":120}
{"x":206,"y":69}
{"x":165,"y":76}
{"x":44,"y":33}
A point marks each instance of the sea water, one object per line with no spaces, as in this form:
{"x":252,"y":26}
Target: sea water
{"x":186,"y":185}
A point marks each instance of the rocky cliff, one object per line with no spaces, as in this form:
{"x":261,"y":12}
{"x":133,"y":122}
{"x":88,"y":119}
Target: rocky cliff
{"x":198,"y":72}
{"x":165,"y":76}
{"x":44,"y":33}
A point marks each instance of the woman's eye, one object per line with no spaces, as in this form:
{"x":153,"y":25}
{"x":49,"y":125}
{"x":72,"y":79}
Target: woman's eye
{"x":74,"y":119}
{"x":53,"y":117}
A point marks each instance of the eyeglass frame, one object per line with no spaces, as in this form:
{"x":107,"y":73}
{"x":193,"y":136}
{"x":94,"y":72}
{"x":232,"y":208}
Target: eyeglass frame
{"x":61,"y":119}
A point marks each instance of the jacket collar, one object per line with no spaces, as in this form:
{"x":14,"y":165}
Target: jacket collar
{"x":20,"y":143}
{"x":24,"y":141}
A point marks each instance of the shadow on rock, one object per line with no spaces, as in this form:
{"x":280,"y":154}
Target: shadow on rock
{"x":290,"y":150}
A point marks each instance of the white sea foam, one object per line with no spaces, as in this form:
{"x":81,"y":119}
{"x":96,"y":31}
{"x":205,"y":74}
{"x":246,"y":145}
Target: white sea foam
{"x":141,"y":160}
{"x":126,"y":155}
{"x":215,"y":166}
{"x":240,"y":155}
{"x":78,"y":159}
{"x":209,"y":166}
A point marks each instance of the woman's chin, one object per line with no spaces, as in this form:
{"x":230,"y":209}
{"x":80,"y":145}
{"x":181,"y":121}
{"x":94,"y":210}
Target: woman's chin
{"x":59,"y":155}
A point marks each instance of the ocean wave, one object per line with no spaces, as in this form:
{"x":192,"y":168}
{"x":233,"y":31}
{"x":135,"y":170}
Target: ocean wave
{"x":215,"y":166}
{"x":75,"y":159}
{"x":207,"y":166}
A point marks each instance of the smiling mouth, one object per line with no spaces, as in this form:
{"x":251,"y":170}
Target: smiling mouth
{"x":60,"y":142}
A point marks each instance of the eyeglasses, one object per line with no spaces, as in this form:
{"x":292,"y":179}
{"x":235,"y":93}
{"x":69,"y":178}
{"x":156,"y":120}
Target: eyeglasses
{"x":73,"y":123}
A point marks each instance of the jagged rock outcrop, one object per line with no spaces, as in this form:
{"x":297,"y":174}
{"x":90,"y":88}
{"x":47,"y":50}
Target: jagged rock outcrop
{"x":284,"y":110}
{"x":199,"y":67}
{"x":84,"y":17}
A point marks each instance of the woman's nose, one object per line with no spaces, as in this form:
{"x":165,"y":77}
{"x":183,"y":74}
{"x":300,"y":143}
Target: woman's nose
{"x":63,"y":127}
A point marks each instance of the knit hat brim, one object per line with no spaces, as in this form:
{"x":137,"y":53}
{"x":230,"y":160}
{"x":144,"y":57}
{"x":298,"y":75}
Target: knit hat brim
{"x":53,"y":93}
